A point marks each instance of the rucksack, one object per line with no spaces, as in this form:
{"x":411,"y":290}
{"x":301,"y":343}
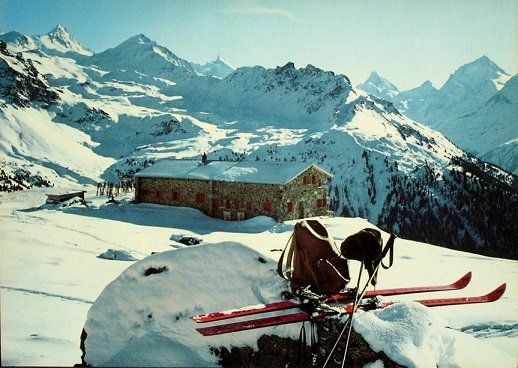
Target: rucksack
{"x":367,"y":246}
{"x":311,"y":260}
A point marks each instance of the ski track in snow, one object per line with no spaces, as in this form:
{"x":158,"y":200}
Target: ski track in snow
{"x":64,"y":297}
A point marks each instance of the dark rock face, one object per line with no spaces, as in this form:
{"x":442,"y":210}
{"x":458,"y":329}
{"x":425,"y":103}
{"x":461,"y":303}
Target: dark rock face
{"x":20,"y":82}
{"x":274,"y":351}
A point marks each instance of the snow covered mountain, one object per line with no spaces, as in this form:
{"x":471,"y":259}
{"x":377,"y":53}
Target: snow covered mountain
{"x":504,"y":155}
{"x":57,"y":41}
{"x":129,"y":106}
{"x":473,"y":109}
{"x":218,"y":68}
{"x":414,"y":99}
{"x":139,"y":53}
{"x":491,"y":125}
{"x":468,"y":87}
{"x":379,"y":87}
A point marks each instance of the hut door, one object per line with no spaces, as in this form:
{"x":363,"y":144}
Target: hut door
{"x":301,"y":210}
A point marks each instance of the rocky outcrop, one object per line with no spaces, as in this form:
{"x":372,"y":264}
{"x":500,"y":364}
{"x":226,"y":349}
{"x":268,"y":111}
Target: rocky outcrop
{"x":20,"y":82}
{"x":274,"y":351}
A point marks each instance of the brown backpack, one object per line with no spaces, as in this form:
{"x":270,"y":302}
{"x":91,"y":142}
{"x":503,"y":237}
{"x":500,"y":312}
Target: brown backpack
{"x":313,"y":260}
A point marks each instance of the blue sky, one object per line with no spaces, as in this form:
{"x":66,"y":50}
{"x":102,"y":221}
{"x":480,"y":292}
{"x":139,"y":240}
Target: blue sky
{"x":407,"y":42}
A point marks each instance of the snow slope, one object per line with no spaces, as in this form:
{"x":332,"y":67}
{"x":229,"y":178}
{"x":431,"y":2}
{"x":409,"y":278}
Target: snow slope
{"x":62,"y":276}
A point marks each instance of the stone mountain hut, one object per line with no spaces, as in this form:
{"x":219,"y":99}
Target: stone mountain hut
{"x":237,"y":190}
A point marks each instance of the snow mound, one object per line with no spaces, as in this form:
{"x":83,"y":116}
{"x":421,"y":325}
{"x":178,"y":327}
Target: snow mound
{"x":411,"y":336}
{"x":141,"y":320}
{"x":117,"y":255}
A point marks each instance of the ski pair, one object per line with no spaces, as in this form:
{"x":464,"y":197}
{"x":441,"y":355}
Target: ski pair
{"x":347,"y":309}
{"x":289,"y":304}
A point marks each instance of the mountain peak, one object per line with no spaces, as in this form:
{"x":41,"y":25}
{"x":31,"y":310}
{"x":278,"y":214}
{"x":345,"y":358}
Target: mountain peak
{"x":218,"y":68}
{"x":374,"y":75}
{"x":59,"y":29}
{"x":427,"y":84}
{"x":221,"y":59}
{"x":483,"y":66}
{"x":139,"y":38}
{"x":144,"y":55}
{"x":59,"y":39}
{"x":379,"y":87}
{"x":471,"y":76}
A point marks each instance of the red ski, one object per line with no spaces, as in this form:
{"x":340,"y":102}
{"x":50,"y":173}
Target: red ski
{"x":304,"y":316}
{"x":288,"y":304}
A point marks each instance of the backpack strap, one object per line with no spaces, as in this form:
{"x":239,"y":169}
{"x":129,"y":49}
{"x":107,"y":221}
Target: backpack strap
{"x":388,"y":247}
{"x":328,"y":239}
{"x":280,"y":264}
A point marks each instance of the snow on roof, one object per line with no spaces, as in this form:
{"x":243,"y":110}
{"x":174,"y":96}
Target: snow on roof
{"x":244,"y":171}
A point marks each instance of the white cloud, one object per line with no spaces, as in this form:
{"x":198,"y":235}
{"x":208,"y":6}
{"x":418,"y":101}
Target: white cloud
{"x":260,"y":10}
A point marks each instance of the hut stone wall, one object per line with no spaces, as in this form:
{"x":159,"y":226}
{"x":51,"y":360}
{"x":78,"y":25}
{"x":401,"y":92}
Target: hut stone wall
{"x":304,"y":196}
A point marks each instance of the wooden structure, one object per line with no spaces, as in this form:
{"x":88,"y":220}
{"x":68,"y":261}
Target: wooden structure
{"x":58,"y":198}
{"x":237,"y":190}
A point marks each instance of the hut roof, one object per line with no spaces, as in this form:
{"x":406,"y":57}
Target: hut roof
{"x":261,"y":172}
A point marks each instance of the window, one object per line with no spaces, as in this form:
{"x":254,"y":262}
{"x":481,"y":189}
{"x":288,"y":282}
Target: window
{"x":249,"y":205}
{"x":290,"y":206}
{"x":158,"y":195}
{"x":236,"y":204}
{"x":321,"y":202}
{"x":215,"y":202}
{"x":227,"y":203}
{"x":145,"y":192}
{"x":200,"y":198}
{"x":305,"y":180}
{"x":267,"y":206}
{"x":313,"y":179}
{"x":176,"y":196}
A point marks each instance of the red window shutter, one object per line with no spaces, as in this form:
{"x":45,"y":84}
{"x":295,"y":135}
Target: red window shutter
{"x":215,"y":202}
{"x":200,"y":198}
{"x":227,"y":203}
{"x":176,"y":196}
{"x":290,"y":206}
{"x":305,"y":180}
{"x":249,"y":205}
{"x":319,"y":202}
{"x":145,"y":192}
{"x":158,"y":195}
{"x":313,"y":179}
{"x":267,"y":206}
{"x":236,"y":204}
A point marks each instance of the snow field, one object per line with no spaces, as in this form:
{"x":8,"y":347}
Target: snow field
{"x":61,"y":275}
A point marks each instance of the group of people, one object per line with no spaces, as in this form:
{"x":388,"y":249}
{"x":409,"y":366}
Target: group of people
{"x":112,"y":190}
